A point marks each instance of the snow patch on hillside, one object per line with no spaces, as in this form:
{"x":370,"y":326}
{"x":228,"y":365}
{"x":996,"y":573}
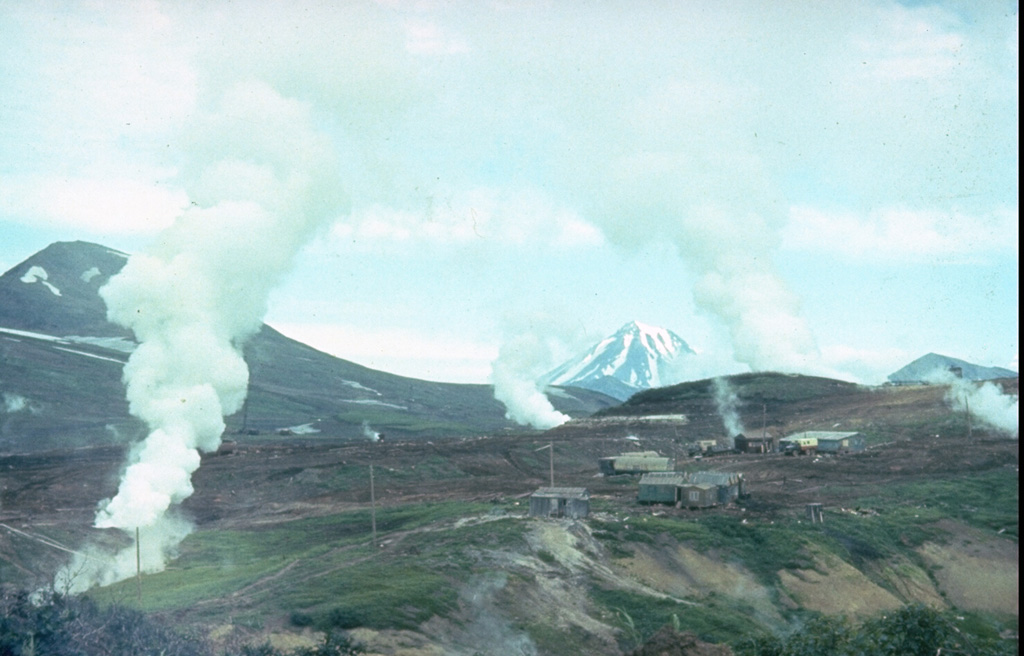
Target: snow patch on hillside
{"x":301,"y":429}
{"x":38,"y":274}
{"x":360,"y":386}
{"x":374,"y":402}
{"x":89,"y":355}
{"x":27,"y":333}
{"x":119,"y":344}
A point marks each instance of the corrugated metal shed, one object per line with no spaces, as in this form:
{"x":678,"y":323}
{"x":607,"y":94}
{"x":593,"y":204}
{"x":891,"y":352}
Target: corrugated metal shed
{"x":635,"y":462}
{"x":801,"y":443}
{"x":572,"y":502}
{"x":836,"y":441}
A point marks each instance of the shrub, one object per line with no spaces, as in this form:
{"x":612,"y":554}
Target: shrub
{"x":914,"y":630}
{"x":59,"y":625}
{"x":33,"y":624}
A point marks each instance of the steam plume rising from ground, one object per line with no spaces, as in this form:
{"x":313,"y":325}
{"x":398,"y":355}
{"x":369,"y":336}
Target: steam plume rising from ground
{"x":728,"y":245}
{"x":261,"y":187}
{"x":14,"y":403}
{"x":369,"y":433}
{"x":986,"y":402}
{"x":728,"y":408}
{"x":521,"y":361}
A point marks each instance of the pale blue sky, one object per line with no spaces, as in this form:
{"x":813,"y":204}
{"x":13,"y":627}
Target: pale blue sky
{"x":805,"y":186}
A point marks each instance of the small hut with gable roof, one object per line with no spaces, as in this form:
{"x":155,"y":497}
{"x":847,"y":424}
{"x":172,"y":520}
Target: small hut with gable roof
{"x":571,"y":502}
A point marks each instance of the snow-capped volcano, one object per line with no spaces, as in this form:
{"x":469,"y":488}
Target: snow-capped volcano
{"x":635,"y":358}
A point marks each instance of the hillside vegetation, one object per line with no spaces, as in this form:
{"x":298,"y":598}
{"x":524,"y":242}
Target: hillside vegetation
{"x":284,"y":550}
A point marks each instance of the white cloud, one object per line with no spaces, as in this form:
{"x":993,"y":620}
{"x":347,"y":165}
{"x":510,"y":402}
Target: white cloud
{"x":103,"y":205}
{"x":901,"y":233}
{"x":497,"y":216}
{"x":427,"y":38}
{"x":538,"y":127}
{"x":912,"y":44}
{"x":405,"y":352}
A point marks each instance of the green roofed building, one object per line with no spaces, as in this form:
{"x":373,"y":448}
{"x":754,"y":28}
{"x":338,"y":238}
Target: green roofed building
{"x":691,"y":490}
{"x":660,"y":487}
{"x":635,"y":462}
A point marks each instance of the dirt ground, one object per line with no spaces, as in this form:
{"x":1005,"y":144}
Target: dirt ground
{"x":55,"y":494}
{"x":289,"y":477}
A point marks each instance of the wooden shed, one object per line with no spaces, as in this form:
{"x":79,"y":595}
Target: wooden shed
{"x":697,"y":495}
{"x":730,"y":485}
{"x":763,"y":444}
{"x":660,"y":487}
{"x":571,"y":502}
{"x":710,"y":488}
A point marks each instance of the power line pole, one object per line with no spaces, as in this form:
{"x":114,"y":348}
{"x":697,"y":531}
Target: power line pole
{"x":970,"y":431}
{"x":138,"y":565}
{"x":373,"y":507}
{"x":551,"y":460}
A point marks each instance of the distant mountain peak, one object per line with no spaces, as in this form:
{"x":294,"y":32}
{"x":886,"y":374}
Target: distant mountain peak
{"x":923,"y":368}
{"x":55,"y":290}
{"x":638,"y":356}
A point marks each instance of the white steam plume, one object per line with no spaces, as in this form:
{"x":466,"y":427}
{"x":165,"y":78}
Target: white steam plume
{"x":521,"y":361}
{"x":986,"y":402}
{"x":14,"y":403}
{"x":261,"y":187}
{"x":728,"y":403}
{"x":681,"y":172}
{"x":369,"y":433}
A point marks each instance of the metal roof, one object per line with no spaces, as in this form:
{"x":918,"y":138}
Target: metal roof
{"x":824,"y":435}
{"x":701,"y":486}
{"x":714,"y":478}
{"x":663,"y":478}
{"x":562,"y":492}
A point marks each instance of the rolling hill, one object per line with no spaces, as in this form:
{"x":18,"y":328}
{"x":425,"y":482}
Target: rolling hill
{"x":282,"y":542}
{"x":423,"y":544}
{"x":61,"y":374}
{"x":927,"y":367}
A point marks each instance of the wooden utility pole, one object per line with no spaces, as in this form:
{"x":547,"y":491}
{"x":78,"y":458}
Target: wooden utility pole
{"x":967,"y":404}
{"x":551,"y":460}
{"x":138,"y":565}
{"x":245,"y":415}
{"x":764,"y":428}
{"x":373,"y":507}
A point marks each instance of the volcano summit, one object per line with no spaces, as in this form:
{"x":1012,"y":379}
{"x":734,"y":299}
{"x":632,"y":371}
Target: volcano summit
{"x":637,"y":357}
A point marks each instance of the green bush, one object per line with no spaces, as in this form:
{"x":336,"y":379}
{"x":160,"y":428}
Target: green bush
{"x":51,"y":624}
{"x":914,"y":630}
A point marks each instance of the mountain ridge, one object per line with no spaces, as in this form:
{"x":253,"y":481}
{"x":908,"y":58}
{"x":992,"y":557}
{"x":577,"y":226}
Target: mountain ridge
{"x":60,"y":382}
{"x":926,"y":367}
